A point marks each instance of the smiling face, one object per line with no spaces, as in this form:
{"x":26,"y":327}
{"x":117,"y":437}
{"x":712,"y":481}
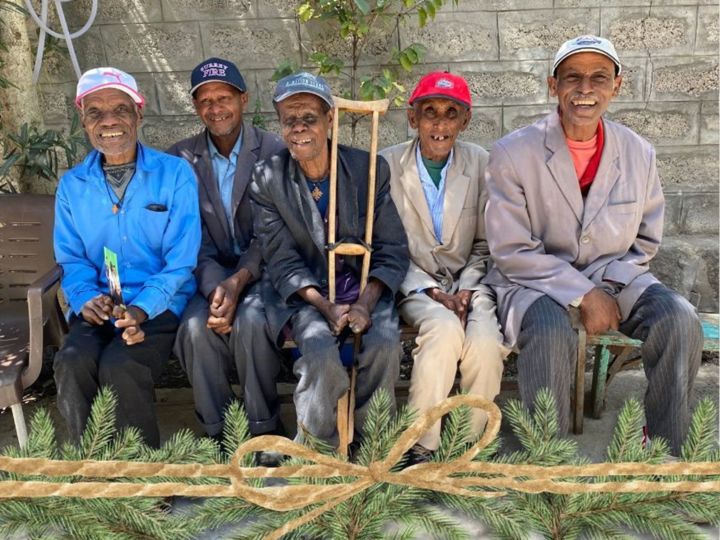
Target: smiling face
{"x":438,"y":122}
{"x":220,"y":107}
{"x":584,"y":84}
{"x":111,"y":119}
{"x":305,"y":122}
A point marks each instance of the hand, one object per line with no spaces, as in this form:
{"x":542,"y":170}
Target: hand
{"x":359,"y":318}
{"x":130,"y":319}
{"x":599,"y":312}
{"x":336,"y":316}
{"x":457,"y":303}
{"x":224,"y":300}
{"x":97,"y":310}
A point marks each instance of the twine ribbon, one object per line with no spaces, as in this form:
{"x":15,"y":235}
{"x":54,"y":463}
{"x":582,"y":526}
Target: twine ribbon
{"x":462,"y":476}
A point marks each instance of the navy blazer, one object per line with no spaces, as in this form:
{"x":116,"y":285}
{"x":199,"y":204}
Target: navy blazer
{"x":217,"y":259}
{"x":292,"y":237}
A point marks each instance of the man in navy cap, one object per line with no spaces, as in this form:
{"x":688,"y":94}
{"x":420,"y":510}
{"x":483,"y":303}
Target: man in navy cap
{"x":290,"y":194}
{"x":224,"y":324}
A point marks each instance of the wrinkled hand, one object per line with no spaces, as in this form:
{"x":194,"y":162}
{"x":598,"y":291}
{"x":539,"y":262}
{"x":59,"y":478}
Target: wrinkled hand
{"x":97,"y":310}
{"x":223,"y":303}
{"x":599,"y":311}
{"x":457,"y":303}
{"x":359,"y":318}
{"x":336,"y":316}
{"x":130,"y":319}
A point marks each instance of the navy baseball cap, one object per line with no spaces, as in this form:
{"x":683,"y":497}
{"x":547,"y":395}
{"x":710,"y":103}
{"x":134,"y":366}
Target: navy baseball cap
{"x":303,"y":83}
{"x":216,"y":70}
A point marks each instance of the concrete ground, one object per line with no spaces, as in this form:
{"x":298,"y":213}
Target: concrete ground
{"x":175,"y":411}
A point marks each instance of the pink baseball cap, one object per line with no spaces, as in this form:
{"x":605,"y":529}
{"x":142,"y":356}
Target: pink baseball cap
{"x":108,"y":77}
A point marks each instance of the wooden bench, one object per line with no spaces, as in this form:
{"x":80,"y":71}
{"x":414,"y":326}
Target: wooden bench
{"x":614,"y":352}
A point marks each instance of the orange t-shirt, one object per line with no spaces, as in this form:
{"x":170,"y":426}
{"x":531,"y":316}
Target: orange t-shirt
{"x":581,"y":153}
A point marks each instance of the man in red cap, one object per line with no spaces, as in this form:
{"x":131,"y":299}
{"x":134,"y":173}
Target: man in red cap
{"x":438,"y":186}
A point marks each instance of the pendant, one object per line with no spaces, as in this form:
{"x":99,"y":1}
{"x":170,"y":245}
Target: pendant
{"x":316,"y":193}
{"x":115,"y":208}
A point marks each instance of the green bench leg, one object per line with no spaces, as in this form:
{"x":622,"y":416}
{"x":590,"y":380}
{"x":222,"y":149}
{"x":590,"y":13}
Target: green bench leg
{"x":602,"y":361}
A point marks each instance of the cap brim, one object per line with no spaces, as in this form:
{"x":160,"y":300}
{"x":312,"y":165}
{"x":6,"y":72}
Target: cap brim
{"x":135,"y":96}
{"x":441,"y":96}
{"x":192,"y":90}
{"x":284,"y":96}
{"x":615,"y":61}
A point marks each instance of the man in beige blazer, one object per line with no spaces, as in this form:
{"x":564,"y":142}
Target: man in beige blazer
{"x":575,"y":214}
{"x":437,"y":184}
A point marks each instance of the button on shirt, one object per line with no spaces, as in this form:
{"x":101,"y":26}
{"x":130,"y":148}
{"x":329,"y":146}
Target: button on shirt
{"x":435,"y":196}
{"x":224,"y":169}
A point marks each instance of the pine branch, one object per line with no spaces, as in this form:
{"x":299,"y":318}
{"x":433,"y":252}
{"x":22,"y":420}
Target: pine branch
{"x":455,"y":435}
{"x":236,"y":431}
{"x":702,"y":439}
{"x":100,"y":427}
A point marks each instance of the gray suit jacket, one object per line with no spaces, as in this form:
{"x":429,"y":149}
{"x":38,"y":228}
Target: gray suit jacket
{"x":217,"y":259}
{"x":546,"y":240}
{"x":292,"y":232}
{"x":459,"y":261}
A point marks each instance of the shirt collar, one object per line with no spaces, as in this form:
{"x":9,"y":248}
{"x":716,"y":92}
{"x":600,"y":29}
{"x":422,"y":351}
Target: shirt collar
{"x":424,"y":174}
{"x":234,"y":153}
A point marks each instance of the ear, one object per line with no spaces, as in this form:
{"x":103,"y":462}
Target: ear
{"x":617,"y":83}
{"x":412,"y":119}
{"x":552,"y":86}
{"x":244,"y":100}
{"x":140,"y":115}
{"x":468,"y":116}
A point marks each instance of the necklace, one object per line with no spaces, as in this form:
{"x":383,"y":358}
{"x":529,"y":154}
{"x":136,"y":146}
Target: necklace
{"x":317,"y":193}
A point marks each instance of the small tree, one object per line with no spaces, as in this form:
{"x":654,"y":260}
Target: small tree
{"x":357,"y":23}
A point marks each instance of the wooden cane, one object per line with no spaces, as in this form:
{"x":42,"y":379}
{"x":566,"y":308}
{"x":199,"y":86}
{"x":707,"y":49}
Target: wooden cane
{"x":346,"y":404}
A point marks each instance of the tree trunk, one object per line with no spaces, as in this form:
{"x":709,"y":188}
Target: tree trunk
{"x":19,"y":104}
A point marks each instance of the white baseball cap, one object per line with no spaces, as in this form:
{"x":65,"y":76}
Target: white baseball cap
{"x":587,"y":44}
{"x":107,"y":77}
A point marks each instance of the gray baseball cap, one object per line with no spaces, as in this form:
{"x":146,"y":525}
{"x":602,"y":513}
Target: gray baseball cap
{"x":303,"y":82}
{"x":587,"y":44}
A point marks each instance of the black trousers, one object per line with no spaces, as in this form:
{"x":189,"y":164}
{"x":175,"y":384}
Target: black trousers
{"x":96,"y":356}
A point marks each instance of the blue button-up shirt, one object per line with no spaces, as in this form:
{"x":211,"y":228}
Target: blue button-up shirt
{"x":434,"y":195}
{"x":156,"y":233}
{"x":224,"y":169}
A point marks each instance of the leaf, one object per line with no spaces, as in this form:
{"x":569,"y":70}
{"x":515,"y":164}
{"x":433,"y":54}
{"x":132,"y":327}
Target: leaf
{"x":363,"y":6}
{"x":305,"y":12}
{"x":422,"y":17}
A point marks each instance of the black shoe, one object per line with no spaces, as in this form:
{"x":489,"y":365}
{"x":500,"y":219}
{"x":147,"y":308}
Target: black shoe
{"x":268,"y":459}
{"x":418,"y":454}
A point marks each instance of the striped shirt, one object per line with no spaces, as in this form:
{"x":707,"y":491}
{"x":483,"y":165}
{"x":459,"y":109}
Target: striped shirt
{"x":435,"y":196}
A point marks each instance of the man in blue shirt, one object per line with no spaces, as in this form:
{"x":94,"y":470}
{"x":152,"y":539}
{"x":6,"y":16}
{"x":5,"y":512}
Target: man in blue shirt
{"x":142,"y":205}
{"x":224,"y":324}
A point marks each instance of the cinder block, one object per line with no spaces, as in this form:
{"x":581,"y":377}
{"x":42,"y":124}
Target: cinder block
{"x":537,"y":34}
{"x":114,"y":12}
{"x":485,"y":126}
{"x":173,"y":93}
{"x":661,"y":123}
{"x":391,"y":130}
{"x":323,"y":36}
{"x":161,"y":133}
{"x":708,"y":30}
{"x":276,"y":8}
{"x":634,"y":79}
{"x":519,"y":117}
{"x":500,"y":5}
{"x":699,"y":213}
{"x":683,"y":78}
{"x":706,"y":284}
{"x":57,"y":67}
{"x":57,"y":102}
{"x":146,"y":84}
{"x":709,"y":122}
{"x":511,"y":83}
{"x":455,"y":37}
{"x":650,"y":31}
{"x":673,"y":212}
{"x":676,"y":265}
{"x":688,"y":167}
{"x":252,"y":44}
{"x":153,"y":47}
{"x":200,"y":10}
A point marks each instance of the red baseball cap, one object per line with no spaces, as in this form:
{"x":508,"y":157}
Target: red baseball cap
{"x":441,"y":84}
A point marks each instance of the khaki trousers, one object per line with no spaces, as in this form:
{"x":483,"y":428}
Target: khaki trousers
{"x":443,"y":345}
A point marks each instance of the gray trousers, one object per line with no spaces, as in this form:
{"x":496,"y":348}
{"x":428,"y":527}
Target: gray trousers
{"x":209,"y":359}
{"x":672,"y":347}
{"x":323,"y":379}
{"x":94,"y":356}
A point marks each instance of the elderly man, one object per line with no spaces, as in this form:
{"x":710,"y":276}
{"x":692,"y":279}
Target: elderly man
{"x":290,"y":194}
{"x":438,"y":186}
{"x":142,"y":205}
{"x":224,"y":323}
{"x":575,"y":215}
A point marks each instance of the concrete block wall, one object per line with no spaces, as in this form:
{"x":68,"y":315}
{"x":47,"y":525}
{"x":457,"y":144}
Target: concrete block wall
{"x":503,"y":47}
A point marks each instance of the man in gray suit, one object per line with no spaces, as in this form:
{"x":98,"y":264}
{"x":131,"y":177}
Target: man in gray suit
{"x":224,"y":324}
{"x":575,"y":214}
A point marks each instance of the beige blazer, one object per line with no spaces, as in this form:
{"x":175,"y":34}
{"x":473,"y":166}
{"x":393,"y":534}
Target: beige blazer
{"x":545,"y":239}
{"x":459,"y":261}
